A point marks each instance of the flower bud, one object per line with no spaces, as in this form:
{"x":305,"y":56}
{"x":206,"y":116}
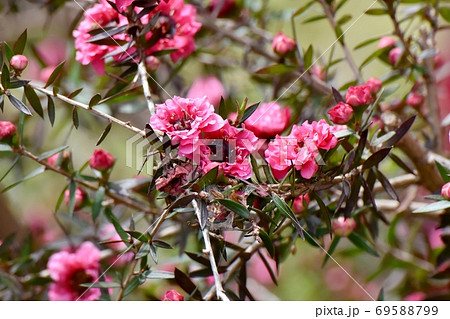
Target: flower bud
{"x":343,"y":227}
{"x":101,"y":160}
{"x":358,"y":95}
{"x":395,"y":55}
{"x":374,"y":84}
{"x":80,"y":197}
{"x":445,"y":191}
{"x":19,"y":62}
{"x":386,"y":42}
{"x":341,"y":113}
{"x":282,"y":44}
{"x":300,"y":203}
{"x":415,"y":99}
{"x":7,"y":129}
{"x":152,"y":63}
{"x":53,"y":160}
{"x":172,"y":295}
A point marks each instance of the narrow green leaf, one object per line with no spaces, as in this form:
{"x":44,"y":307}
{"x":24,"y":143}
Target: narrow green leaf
{"x":46,"y":155}
{"x":104,"y":134}
{"x":16,"y":160}
{"x":97,"y":205}
{"x":208,"y":178}
{"x":284,"y":209}
{"x":6,"y":77}
{"x":132,"y":285}
{"x":34,"y":173}
{"x":5,"y":148}
{"x":441,"y":205}
{"x":72,"y":192}
{"x":331,"y":250}
{"x":34,"y":100}
{"x":144,"y":250}
{"x":56,"y":72}
{"x":8,"y":51}
{"x":2,"y":101}
{"x":186,"y":284}
{"x":94,"y":100}
{"x":445,"y":13}
{"x":276,"y":69}
{"x":363,"y":244}
{"x":234,"y":207}
{"x":307,"y":60}
{"x":75,"y":119}
{"x":158,"y":274}
{"x":153,"y":253}
{"x":444,"y":171}
{"x":74,"y":93}
{"x":376,"y":158}
{"x":19,"y":45}
{"x":267,"y":242}
{"x":102,"y":284}
{"x":376,"y":12}
{"x":120,"y":231}
{"x":249,"y":111}
{"x":51,"y":110}
{"x":302,"y":9}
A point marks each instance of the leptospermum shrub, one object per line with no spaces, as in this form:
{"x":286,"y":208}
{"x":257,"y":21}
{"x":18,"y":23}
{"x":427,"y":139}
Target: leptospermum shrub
{"x":260,"y":150}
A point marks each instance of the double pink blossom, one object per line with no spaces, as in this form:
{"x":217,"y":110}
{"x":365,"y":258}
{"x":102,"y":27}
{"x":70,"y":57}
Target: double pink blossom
{"x":282,"y":44}
{"x":300,"y":148}
{"x":268,"y":120}
{"x":101,"y":160}
{"x":341,"y":113}
{"x":209,"y":86}
{"x":71,"y":269}
{"x":172,"y":295}
{"x":7,"y":129}
{"x":374,"y":84}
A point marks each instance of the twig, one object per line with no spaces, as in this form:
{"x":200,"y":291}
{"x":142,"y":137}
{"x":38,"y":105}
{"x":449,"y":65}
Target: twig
{"x":117,"y":198}
{"x":113,"y":119}
{"x":208,"y":251}
{"x":330,"y":15}
{"x":127,"y":280}
{"x":145,"y":87}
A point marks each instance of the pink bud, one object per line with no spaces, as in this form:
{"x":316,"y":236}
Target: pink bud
{"x":80,"y":196}
{"x":152,"y":63}
{"x":385,"y":42}
{"x":394,"y":55}
{"x":445,"y":191}
{"x":358,"y":95}
{"x":101,"y":160}
{"x":374,"y":84}
{"x":343,"y":227}
{"x":318,"y":71}
{"x":341,"y":113}
{"x":19,"y":62}
{"x":301,"y":202}
{"x":7,"y":129}
{"x":282,"y":44}
{"x":53,"y":160}
{"x":172,"y":295}
{"x":415,"y":99}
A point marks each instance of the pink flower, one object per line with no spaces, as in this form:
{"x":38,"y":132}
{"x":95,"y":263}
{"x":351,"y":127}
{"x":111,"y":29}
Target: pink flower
{"x":394,"y":55}
{"x":172,"y":295}
{"x":343,"y":227}
{"x":358,"y":95}
{"x":300,"y":148}
{"x":123,"y":4}
{"x":7,"y":129}
{"x":80,"y":197}
{"x":40,"y":227}
{"x":173,"y":180}
{"x":209,"y":86}
{"x":374,"y":84}
{"x":415,"y":99}
{"x":53,"y":160}
{"x":101,"y":160}
{"x":282,"y":44}
{"x":228,"y":148}
{"x":178,"y":24}
{"x":318,"y":71}
{"x":71,"y":269}
{"x":386,"y":41}
{"x":445,"y":191}
{"x":341,"y":113}
{"x":268,"y":120}
{"x":300,"y":203}
{"x":183,"y":120}
{"x":19,"y":62}
{"x":100,"y":15}
{"x":415,"y":296}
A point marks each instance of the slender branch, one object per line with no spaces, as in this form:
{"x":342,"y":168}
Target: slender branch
{"x":208,"y":251}
{"x":117,"y":198}
{"x":142,"y":71}
{"x":113,"y":119}
{"x":330,"y":15}
{"x":127,"y":280}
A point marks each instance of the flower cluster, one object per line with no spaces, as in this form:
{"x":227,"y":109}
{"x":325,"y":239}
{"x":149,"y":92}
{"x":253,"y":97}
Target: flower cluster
{"x":71,"y":269}
{"x":176,"y":25}
{"x":300,"y":148}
